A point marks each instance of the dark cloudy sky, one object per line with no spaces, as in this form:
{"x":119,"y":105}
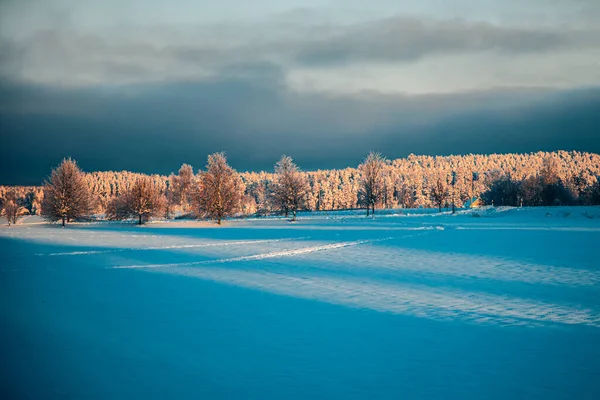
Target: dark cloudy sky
{"x":148,"y":85}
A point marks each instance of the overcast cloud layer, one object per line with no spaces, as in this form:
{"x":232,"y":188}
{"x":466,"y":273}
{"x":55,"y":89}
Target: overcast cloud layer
{"x":102,"y":81}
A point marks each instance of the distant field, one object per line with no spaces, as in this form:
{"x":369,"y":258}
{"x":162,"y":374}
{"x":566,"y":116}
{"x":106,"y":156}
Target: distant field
{"x":489,"y":303}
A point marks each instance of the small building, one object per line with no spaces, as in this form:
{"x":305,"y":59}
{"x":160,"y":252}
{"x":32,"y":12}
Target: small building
{"x":475,"y":202}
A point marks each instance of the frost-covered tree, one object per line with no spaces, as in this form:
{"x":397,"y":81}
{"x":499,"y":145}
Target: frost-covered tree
{"x":404,"y":193}
{"x":66,"y":194}
{"x":290,"y":187}
{"x":549,"y":173}
{"x":546,"y":178}
{"x":11,"y":209}
{"x":181,"y":187}
{"x":221,"y":189}
{"x":439,"y":190}
{"x":141,"y":201}
{"x":372,"y":180}
{"x":258,"y":192}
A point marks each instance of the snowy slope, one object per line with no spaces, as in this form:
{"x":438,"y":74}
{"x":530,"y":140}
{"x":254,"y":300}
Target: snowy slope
{"x":493,"y":303}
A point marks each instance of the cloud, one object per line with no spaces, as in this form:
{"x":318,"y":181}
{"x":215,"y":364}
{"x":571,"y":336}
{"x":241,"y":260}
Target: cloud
{"x":155,"y":128}
{"x":407,"y":39}
{"x":149,"y":93}
{"x":310,"y":51}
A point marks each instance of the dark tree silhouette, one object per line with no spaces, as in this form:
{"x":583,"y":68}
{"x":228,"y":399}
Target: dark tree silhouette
{"x":592,"y":194}
{"x":503,"y":192}
{"x":439,"y":191}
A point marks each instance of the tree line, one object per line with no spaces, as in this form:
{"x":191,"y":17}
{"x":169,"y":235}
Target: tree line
{"x":219,"y":192}
{"x":546,"y":188}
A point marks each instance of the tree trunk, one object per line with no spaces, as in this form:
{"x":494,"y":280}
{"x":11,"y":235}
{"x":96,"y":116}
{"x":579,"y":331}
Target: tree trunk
{"x":63,"y":221}
{"x":294,"y":215}
{"x":218,"y":220}
{"x":453,"y":199}
{"x":368,"y":209}
{"x":139,"y":219}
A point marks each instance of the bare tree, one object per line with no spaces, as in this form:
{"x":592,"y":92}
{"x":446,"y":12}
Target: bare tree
{"x":168,"y":201}
{"x":453,"y":184}
{"x":405,"y":195}
{"x":11,"y":209}
{"x":221,"y":190}
{"x":439,"y":191}
{"x":290,"y":187}
{"x":372,"y":180}
{"x":181,"y":187}
{"x":142,"y":201}
{"x":66,"y":194}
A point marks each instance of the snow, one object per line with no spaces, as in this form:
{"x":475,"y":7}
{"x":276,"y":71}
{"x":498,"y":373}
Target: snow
{"x":493,"y":302}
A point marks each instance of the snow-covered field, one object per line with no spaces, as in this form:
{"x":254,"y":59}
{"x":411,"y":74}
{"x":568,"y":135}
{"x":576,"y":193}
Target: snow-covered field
{"x":496,"y":303}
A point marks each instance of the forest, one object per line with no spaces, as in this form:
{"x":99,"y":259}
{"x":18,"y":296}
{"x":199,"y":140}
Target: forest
{"x":218,"y":191}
